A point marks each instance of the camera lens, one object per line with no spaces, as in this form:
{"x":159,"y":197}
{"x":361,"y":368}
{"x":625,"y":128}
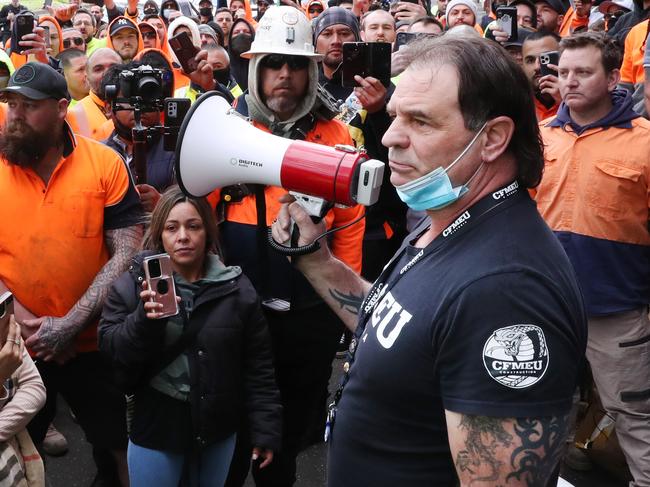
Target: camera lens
{"x":149,"y":88}
{"x":154,"y":268}
{"x":162,"y":287}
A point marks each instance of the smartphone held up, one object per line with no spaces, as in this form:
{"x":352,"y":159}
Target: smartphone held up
{"x":366,"y":59}
{"x":159,"y":274}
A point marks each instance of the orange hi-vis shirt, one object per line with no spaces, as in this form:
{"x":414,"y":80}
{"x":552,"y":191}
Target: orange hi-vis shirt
{"x":87,"y":117}
{"x":595,"y":196}
{"x":52,"y":242}
{"x":572,"y":22}
{"x":542,"y":112}
{"x":632,"y":72}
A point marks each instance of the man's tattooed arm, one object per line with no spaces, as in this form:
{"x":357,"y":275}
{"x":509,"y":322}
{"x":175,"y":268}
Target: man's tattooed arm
{"x":55,"y":334}
{"x":348,"y":302}
{"x":490,"y":451}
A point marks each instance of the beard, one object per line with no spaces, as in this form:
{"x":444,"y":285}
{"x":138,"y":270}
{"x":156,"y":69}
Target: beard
{"x":23,"y":146}
{"x":333,"y":62}
{"x":282,"y":104}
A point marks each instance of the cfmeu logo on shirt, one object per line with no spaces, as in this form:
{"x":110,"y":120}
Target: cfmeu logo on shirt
{"x":516,"y":356}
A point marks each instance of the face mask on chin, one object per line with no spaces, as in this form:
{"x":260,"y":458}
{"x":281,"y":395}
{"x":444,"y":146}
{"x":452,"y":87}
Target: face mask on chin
{"x":434,"y":190}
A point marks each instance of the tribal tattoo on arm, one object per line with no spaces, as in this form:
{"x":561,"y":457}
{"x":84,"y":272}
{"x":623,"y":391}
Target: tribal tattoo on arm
{"x":55,"y":334}
{"x":348,"y":302}
{"x":506,"y":451}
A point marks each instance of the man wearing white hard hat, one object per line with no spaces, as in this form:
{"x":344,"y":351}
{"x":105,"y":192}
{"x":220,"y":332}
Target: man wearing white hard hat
{"x":283,"y":99}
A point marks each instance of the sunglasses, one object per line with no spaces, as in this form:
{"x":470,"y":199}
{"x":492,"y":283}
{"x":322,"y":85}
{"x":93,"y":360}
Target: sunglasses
{"x":149,"y":35}
{"x":78,"y":41}
{"x":276,"y":61}
{"x":314,"y":10}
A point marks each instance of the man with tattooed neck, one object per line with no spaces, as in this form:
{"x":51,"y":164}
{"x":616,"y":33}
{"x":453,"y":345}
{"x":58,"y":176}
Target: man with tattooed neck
{"x":469,"y":345}
{"x":71,"y":224}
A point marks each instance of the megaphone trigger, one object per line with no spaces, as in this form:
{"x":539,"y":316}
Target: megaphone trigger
{"x":316,"y":208}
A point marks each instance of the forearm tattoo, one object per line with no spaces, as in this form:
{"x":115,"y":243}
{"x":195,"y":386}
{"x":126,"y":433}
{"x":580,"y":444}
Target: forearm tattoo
{"x":349,"y":302}
{"x":123,"y":243}
{"x":506,"y":451}
{"x":542,"y":443}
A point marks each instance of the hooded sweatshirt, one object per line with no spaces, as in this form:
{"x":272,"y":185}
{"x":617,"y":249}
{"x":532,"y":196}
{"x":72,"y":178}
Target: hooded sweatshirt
{"x":594,"y":197}
{"x":109,"y":41}
{"x":164,"y":45}
{"x":180,"y":79}
{"x":620,"y":116}
{"x":163,"y":10}
{"x":190,"y":24}
{"x":239,"y":65}
{"x":628,"y":21}
{"x":313,"y":2}
{"x":258,"y":110}
{"x":157,"y":45}
{"x":44,"y":18}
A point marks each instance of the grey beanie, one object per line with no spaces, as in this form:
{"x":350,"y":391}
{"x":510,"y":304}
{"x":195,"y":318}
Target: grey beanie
{"x":333,"y":16}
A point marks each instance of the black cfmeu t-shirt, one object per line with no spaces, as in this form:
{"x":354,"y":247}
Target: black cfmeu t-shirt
{"x":486,"y":320}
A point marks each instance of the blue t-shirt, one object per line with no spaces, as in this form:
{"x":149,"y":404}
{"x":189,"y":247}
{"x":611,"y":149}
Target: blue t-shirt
{"x":487,"y":320}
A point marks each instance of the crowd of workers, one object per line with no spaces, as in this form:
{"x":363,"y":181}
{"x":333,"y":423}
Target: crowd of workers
{"x":504,"y":268}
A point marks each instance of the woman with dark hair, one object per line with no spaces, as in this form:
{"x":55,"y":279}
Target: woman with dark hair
{"x":193,"y":374}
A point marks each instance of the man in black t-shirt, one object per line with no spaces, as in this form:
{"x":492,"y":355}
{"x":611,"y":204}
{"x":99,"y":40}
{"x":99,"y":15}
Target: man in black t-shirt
{"x":469,"y":345}
{"x":7,"y":14}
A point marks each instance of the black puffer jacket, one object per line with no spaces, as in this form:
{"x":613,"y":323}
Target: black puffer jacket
{"x":230,"y":360}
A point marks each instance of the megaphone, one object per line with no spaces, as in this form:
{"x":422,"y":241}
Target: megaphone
{"x":217,"y":147}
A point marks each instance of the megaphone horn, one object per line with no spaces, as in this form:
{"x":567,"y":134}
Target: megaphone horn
{"x":218,"y":148}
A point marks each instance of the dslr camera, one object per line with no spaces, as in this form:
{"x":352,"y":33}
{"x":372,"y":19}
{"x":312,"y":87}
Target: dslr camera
{"x":143,"y":86}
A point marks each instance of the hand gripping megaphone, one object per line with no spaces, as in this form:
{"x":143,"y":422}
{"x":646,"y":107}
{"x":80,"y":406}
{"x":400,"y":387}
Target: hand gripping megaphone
{"x":217,"y":147}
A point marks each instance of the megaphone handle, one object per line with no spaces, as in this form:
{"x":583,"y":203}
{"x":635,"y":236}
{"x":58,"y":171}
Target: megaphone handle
{"x":295,"y":231}
{"x":294,"y":250}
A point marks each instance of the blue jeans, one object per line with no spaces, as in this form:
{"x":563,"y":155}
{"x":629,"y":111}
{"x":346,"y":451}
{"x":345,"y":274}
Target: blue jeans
{"x":158,"y":468}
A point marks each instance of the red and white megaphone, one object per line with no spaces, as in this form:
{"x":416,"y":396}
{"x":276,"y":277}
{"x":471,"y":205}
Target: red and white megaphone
{"x":217,"y":147}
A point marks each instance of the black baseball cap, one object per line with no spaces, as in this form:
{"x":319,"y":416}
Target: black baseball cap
{"x":122,"y":23}
{"x":37,"y":81}
{"x":556,"y":5}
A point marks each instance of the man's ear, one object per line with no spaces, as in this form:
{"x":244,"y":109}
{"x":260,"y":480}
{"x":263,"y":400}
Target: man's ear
{"x":498,"y":133}
{"x":613,"y":79}
{"x":62,"y":106}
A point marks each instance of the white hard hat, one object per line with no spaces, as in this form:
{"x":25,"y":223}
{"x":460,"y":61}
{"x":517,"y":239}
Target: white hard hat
{"x":283,"y":30}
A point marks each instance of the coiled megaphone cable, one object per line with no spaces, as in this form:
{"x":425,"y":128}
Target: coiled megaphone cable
{"x":309,"y":248}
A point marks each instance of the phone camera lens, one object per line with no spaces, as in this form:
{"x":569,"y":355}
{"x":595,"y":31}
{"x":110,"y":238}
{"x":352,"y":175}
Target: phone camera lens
{"x":162,"y":287}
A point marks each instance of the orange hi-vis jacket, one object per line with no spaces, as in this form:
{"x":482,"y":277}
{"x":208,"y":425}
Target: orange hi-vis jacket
{"x":109,"y":41}
{"x":542,"y":112}
{"x":88,"y":117}
{"x":632,"y":73}
{"x":572,"y":22}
